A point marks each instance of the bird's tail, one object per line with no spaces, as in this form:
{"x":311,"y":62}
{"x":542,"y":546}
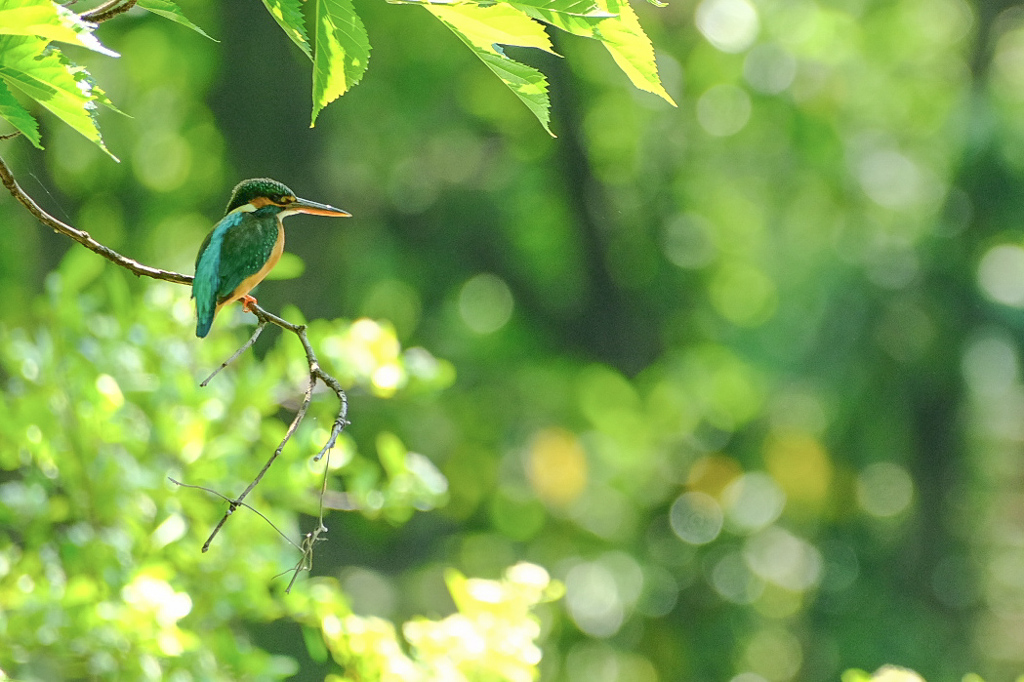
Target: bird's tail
{"x":203,"y":325}
{"x":205,"y":285}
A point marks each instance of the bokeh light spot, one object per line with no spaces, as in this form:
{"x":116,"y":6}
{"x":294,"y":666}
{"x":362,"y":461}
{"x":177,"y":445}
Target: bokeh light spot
{"x":990,"y":365}
{"x":729,"y":25}
{"x":769,"y":69}
{"x":162,"y":160}
{"x":712,"y":474}
{"x":753,"y":501}
{"x":744,"y":295}
{"x":1008,"y":61}
{"x":394,"y":300}
{"x":696,"y":518}
{"x":687,"y":241}
{"x":369,"y":592}
{"x":660,"y":592}
{"x":723,"y":110}
{"x":780,"y":557}
{"x":891,"y":178}
{"x":485,"y":303}
{"x":1001,"y":274}
{"x":775,"y":654}
{"x":801,"y":466}
{"x":556,"y":467}
{"x":734,"y":581}
{"x":517,"y":514}
{"x":593,"y":601}
{"x":108,"y":387}
{"x":884,"y":489}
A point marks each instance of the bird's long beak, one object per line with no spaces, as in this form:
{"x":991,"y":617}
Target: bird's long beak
{"x":313,"y":208}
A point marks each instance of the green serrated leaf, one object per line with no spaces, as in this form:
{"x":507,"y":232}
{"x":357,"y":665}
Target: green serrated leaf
{"x":342,"y":52}
{"x":46,"y":19}
{"x":288,"y":15}
{"x":15,"y":114}
{"x":621,"y":34}
{"x":529,"y":85}
{"x":170,"y":10}
{"x":48,"y":77}
{"x":630,"y":47}
{"x":484,"y":28}
{"x":101,"y":95}
{"x":577,"y":8}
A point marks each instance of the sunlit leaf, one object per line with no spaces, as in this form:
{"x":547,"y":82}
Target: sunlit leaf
{"x":170,"y":10}
{"x":631,"y":48}
{"x":288,"y":15}
{"x":46,"y":19}
{"x":580,"y":8}
{"x":484,"y":28}
{"x":15,"y":114}
{"x":342,"y":52}
{"x":619,"y":31}
{"x":49,"y":78}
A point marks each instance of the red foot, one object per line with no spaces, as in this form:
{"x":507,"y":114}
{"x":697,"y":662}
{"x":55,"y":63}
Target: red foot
{"x":247,"y":301}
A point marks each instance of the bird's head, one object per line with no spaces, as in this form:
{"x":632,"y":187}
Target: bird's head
{"x":250,"y":195}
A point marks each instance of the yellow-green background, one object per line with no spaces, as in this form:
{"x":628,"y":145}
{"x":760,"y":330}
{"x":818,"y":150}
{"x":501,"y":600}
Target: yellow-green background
{"x":744,"y":374}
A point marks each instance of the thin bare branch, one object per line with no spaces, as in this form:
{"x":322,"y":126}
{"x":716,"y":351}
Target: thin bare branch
{"x":242,"y":504}
{"x":82,"y":237}
{"x":309,"y":541}
{"x":306,"y":399}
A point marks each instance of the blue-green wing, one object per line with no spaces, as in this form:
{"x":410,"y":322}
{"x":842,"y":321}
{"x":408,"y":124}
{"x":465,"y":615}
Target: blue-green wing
{"x":207,"y":279}
{"x":245,"y":249}
{"x":236,"y":249}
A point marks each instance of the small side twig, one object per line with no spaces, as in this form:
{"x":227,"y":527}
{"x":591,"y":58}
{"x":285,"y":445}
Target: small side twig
{"x":247,"y":506}
{"x":310,"y":539}
{"x":316,"y":373}
{"x":246,"y":346}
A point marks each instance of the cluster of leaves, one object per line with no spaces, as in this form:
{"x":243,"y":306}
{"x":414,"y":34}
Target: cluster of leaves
{"x":100,"y":569}
{"x":32,"y":65}
{"x":492,"y":636}
{"x":892,"y":673}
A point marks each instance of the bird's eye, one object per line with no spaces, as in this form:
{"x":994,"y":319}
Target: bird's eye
{"x":286,"y":199}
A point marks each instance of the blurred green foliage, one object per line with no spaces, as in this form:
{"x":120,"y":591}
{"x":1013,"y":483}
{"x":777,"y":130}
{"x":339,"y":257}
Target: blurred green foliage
{"x":892,"y":673}
{"x":743,"y":376}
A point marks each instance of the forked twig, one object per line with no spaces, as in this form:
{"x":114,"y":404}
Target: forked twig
{"x":316,"y":373}
{"x":243,"y":504}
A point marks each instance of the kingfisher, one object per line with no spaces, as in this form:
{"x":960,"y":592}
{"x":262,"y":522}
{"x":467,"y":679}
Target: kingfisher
{"x":245,"y":245}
